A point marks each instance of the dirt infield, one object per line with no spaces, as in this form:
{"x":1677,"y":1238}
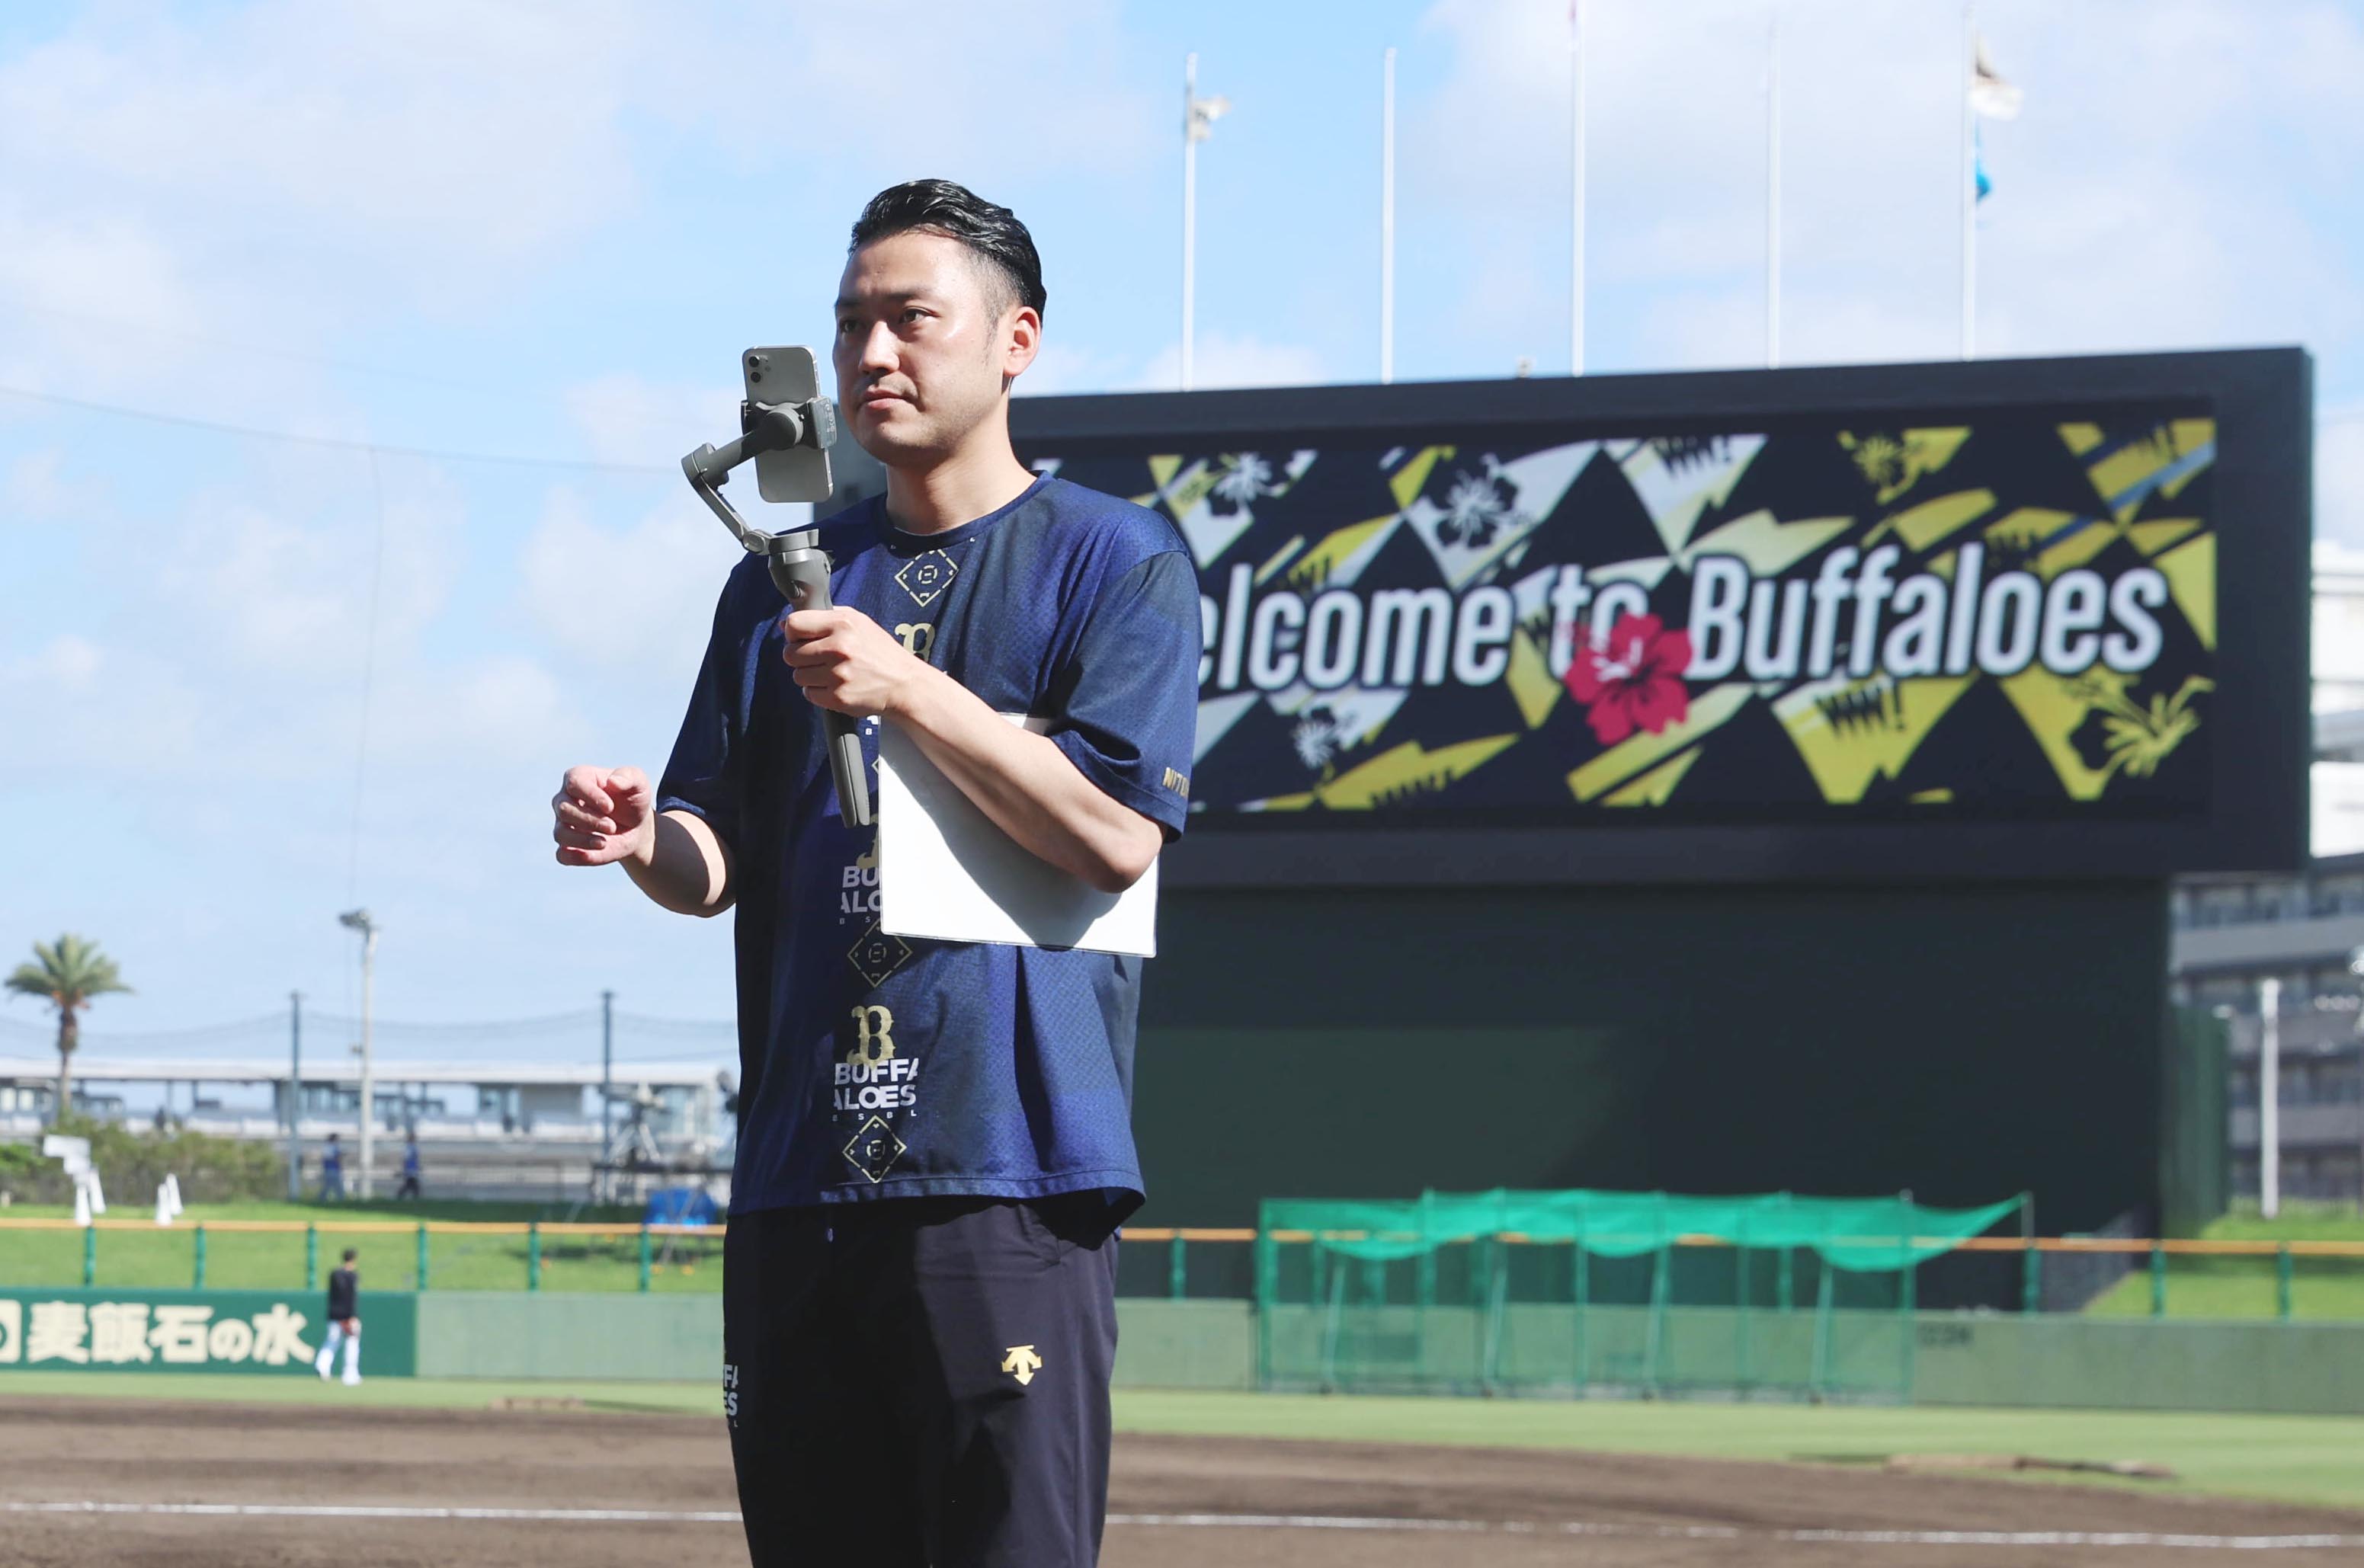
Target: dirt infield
{"x":204,"y":1486}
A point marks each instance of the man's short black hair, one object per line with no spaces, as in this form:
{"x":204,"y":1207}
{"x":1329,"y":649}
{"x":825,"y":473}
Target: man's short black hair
{"x":351,"y":1255}
{"x":940,"y":206}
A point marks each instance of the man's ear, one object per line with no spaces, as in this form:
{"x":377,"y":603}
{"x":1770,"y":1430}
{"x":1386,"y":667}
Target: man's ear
{"x":1022,"y":341}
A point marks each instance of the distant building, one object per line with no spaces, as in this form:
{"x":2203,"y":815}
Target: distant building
{"x":485,"y":1130}
{"x":2231,"y":932}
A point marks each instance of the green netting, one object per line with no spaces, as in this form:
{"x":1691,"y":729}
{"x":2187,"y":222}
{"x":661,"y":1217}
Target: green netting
{"x":1600,"y":1293}
{"x":1862,"y":1234}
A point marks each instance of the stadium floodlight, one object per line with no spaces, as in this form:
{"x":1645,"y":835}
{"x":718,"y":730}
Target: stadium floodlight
{"x":2355,"y":961}
{"x":788,"y":428}
{"x":359,"y":920}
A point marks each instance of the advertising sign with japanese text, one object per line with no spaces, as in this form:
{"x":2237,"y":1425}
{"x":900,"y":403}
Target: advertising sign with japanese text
{"x":251,"y":1332}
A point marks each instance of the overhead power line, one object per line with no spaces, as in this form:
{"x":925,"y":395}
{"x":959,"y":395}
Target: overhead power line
{"x":331,"y":443}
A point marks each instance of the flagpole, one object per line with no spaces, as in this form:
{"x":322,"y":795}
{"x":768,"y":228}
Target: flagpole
{"x":1965,"y":173}
{"x":1773,"y":197}
{"x":1388,"y":217}
{"x":1575,"y":161}
{"x":1189,"y":203}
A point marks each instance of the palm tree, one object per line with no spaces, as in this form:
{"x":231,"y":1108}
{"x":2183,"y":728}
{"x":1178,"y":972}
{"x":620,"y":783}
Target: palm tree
{"x":69,"y":974}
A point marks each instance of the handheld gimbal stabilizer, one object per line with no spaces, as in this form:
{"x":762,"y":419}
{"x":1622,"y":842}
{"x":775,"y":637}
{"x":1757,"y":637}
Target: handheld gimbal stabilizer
{"x":786,"y":426}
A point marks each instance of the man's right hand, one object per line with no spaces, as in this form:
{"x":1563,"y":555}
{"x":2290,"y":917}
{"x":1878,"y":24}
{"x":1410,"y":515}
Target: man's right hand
{"x":605,"y":814}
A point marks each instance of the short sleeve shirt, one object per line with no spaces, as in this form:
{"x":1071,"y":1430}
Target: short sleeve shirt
{"x":875,"y":1065}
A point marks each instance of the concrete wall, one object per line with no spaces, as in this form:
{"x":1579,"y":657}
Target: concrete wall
{"x":2045,"y":1362}
{"x":678,"y":1339}
{"x":2141,"y":1364}
{"x":1185,"y":1344}
{"x":490,"y":1333}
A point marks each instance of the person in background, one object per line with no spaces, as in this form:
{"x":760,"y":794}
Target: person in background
{"x":332,"y":1172}
{"x":344,"y":1321}
{"x":409,"y":1187}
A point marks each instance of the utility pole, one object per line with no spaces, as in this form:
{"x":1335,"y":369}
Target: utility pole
{"x":1773,"y":196}
{"x":1388,"y":217}
{"x":1575,"y":187}
{"x":294,"y":1096}
{"x":2270,"y":1096}
{"x":1966,"y":173}
{"x":359,"y":920}
{"x":601,"y":1180}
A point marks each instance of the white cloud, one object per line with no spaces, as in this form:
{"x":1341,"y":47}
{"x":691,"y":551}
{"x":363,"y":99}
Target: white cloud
{"x":1061,"y":367}
{"x":266,"y":587}
{"x":465,"y":716}
{"x":629,"y":420}
{"x":2143,"y":198}
{"x":98,"y":711}
{"x":1218,"y":359}
{"x":67,"y":660}
{"x":642,"y":596}
{"x":2339,"y":481}
{"x":817,"y":76}
{"x":1232,"y":359}
{"x":34,"y":490}
{"x":410,"y":138}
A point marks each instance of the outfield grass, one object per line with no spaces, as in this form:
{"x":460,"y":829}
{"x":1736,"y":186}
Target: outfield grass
{"x":164,"y":1257}
{"x":2303,"y":1459}
{"x":2307,"y":1459}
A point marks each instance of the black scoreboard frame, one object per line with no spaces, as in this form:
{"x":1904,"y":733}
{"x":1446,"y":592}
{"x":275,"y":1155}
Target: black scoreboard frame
{"x":2261,"y":400}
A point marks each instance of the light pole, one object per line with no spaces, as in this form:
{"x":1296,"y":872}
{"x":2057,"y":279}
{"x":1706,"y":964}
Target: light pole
{"x":2270,"y":1096}
{"x":1388,"y":217}
{"x":1199,"y":118}
{"x":603,"y":1182}
{"x":359,"y":920}
{"x":1575,"y":187}
{"x":2356,"y":967}
{"x":294,"y":1096}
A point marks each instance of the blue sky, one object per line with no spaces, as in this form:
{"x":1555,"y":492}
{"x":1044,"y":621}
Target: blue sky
{"x":546,"y":231}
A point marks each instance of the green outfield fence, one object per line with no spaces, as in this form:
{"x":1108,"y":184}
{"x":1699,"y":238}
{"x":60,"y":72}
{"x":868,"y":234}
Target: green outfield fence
{"x":1589,"y":1291}
{"x":413,"y":1255}
{"x":1489,"y":1268}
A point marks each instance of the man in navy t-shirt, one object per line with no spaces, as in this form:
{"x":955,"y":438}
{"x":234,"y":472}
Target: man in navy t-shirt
{"x":935,"y":1142}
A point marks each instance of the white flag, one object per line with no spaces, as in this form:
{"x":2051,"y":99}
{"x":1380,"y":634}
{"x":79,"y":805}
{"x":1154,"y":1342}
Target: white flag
{"x":1199,"y":116}
{"x":1990,"y":96}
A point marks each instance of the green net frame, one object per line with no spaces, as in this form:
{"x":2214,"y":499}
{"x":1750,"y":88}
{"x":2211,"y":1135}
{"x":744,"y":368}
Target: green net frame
{"x":1599,"y":1294}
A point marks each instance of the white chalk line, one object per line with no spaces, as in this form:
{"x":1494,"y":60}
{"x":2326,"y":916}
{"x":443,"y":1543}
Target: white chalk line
{"x":1730,"y":1532}
{"x":389,"y":1511}
{"x":2169,"y":1540}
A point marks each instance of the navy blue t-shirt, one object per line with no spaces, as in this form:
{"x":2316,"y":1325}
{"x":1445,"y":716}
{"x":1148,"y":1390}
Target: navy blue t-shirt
{"x":876,"y":1067}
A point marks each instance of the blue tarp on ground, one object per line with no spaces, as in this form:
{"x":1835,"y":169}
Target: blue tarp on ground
{"x":681,"y":1206}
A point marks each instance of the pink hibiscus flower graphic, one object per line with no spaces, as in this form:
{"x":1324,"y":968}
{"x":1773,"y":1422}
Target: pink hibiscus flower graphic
{"x":1632,"y":679}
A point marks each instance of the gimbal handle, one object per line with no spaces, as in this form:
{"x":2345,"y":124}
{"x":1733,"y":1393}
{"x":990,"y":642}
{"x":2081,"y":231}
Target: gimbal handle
{"x":799,"y":567}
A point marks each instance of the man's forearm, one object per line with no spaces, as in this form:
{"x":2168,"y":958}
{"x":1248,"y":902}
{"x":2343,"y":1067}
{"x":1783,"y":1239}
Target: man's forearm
{"x":1030,"y":788}
{"x":687,"y":868}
